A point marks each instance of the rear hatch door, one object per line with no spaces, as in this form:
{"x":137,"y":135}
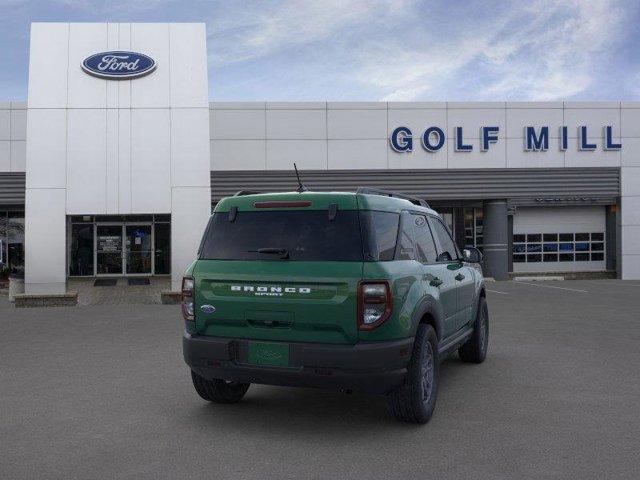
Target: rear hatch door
{"x":278,"y":300}
{"x":281,"y":267}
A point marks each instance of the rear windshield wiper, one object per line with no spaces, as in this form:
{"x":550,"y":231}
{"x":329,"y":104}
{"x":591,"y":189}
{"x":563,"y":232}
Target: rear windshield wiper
{"x":283,"y":252}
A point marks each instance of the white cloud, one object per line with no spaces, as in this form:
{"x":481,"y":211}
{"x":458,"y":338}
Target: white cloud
{"x":260,"y":29}
{"x":545,"y":51}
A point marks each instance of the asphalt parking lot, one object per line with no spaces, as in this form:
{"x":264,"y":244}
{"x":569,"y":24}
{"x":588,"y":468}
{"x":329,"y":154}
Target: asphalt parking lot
{"x":102,"y":392}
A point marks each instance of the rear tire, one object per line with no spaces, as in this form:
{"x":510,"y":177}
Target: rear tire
{"x":475,"y":349}
{"x":219,"y":391}
{"x":415,"y":400}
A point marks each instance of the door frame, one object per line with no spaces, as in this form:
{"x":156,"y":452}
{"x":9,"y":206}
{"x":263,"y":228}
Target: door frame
{"x":123,"y":229}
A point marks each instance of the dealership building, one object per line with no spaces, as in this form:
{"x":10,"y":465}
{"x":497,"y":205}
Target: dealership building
{"x":113,"y":164}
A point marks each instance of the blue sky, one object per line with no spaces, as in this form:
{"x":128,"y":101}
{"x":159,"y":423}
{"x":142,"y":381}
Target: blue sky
{"x":363,"y":50}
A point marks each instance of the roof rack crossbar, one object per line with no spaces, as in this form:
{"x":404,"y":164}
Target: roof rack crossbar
{"x":387,"y":193}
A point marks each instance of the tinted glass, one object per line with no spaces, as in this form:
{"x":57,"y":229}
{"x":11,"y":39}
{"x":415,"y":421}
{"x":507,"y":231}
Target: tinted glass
{"x":425,"y":245}
{"x":380,"y":231}
{"x":406,"y":249}
{"x":448,"y":249}
{"x":163,"y":248}
{"x":305,"y":235}
{"x":81,"y":250}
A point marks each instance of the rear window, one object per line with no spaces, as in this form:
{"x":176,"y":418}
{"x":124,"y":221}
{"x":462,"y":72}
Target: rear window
{"x":309,"y":235}
{"x":304,"y":235}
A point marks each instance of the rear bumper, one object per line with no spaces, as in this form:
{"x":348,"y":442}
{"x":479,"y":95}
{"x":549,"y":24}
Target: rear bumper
{"x":373,"y":367}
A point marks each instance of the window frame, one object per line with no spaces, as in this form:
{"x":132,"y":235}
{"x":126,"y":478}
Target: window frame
{"x":415,"y":243}
{"x":440,"y":250}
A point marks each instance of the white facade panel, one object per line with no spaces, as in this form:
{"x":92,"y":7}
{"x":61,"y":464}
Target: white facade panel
{"x":592,"y":118}
{"x":238,"y":155}
{"x":519,"y":118}
{"x":191,"y":208}
{"x":307,"y":154}
{"x":188,"y":54}
{"x":86,"y":161}
{"x":630,"y":153}
{"x":631,"y":239}
{"x":85,"y":91}
{"x":5,"y":124}
{"x":18,"y":124}
{"x":238,"y":124}
{"x":630,"y":182}
{"x":598,"y":158}
{"x":630,"y":121}
{"x":5,"y":156}
{"x":18,"y":156}
{"x":111,"y":161}
{"x":630,"y":267}
{"x":150,"y":160}
{"x":630,"y":211}
{"x":418,"y":158}
{"x":124,"y":161}
{"x":113,"y":43}
{"x":124,"y":86}
{"x":47,"y":148}
{"x":45,"y":241}
{"x":356,"y":124}
{"x":153,"y":90}
{"x":417,"y":120}
{"x":494,"y":157}
{"x":48,"y":63}
{"x":190,"y":164}
{"x":296,"y":124}
{"x":517,"y":157}
{"x":357,"y":154}
{"x":471,"y":119}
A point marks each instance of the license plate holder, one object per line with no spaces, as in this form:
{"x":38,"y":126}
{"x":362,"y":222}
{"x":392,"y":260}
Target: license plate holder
{"x":269,"y":353}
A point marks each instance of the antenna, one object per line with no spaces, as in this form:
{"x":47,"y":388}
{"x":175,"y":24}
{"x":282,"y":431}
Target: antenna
{"x":301,"y":187}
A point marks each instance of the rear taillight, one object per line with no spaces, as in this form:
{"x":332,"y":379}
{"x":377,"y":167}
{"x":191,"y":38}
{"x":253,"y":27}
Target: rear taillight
{"x":374,"y":304}
{"x":188,"y":298}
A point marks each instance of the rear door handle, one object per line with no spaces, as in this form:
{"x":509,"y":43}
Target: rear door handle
{"x":435,"y":282}
{"x":460,"y":277}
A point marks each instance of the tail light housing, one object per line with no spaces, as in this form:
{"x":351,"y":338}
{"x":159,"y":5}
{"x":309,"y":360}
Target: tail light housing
{"x":188,"y":298}
{"x":375,"y":304}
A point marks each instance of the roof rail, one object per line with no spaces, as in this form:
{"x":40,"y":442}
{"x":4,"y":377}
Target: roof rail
{"x":241,"y":193}
{"x":387,"y":193}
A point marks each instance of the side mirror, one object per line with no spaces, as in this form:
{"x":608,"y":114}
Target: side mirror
{"x":471,"y":255}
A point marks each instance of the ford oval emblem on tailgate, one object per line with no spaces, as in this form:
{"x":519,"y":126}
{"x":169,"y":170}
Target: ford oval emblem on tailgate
{"x":208,"y":308}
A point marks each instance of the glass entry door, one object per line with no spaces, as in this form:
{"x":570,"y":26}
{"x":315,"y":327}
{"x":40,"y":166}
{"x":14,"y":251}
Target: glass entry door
{"x":109,"y":257}
{"x":139,"y":250}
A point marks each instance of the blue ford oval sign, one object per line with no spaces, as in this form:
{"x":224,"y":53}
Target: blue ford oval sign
{"x":118,"y":65}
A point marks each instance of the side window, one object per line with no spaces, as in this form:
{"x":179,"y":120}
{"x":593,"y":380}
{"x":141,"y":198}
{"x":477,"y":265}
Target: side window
{"x":406,"y":249}
{"x":447,"y":250}
{"x":380,"y":231}
{"x":425,"y":246}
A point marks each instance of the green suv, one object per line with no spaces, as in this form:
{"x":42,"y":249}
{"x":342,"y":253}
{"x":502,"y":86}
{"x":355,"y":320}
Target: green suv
{"x":361,"y":291}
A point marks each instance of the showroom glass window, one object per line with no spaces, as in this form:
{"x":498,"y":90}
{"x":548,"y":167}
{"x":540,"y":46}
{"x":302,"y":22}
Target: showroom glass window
{"x":12,"y":240}
{"x":558,"y":247}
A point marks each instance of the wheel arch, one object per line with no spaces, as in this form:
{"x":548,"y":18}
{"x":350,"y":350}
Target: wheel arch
{"x":429,"y":312}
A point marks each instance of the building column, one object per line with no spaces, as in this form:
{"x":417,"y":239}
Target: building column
{"x":629,"y":267}
{"x":45,"y":241}
{"x":191,"y":209}
{"x":495,"y":233}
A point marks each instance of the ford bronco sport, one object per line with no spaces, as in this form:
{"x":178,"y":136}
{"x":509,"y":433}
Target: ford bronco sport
{"x":361,"y":291}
